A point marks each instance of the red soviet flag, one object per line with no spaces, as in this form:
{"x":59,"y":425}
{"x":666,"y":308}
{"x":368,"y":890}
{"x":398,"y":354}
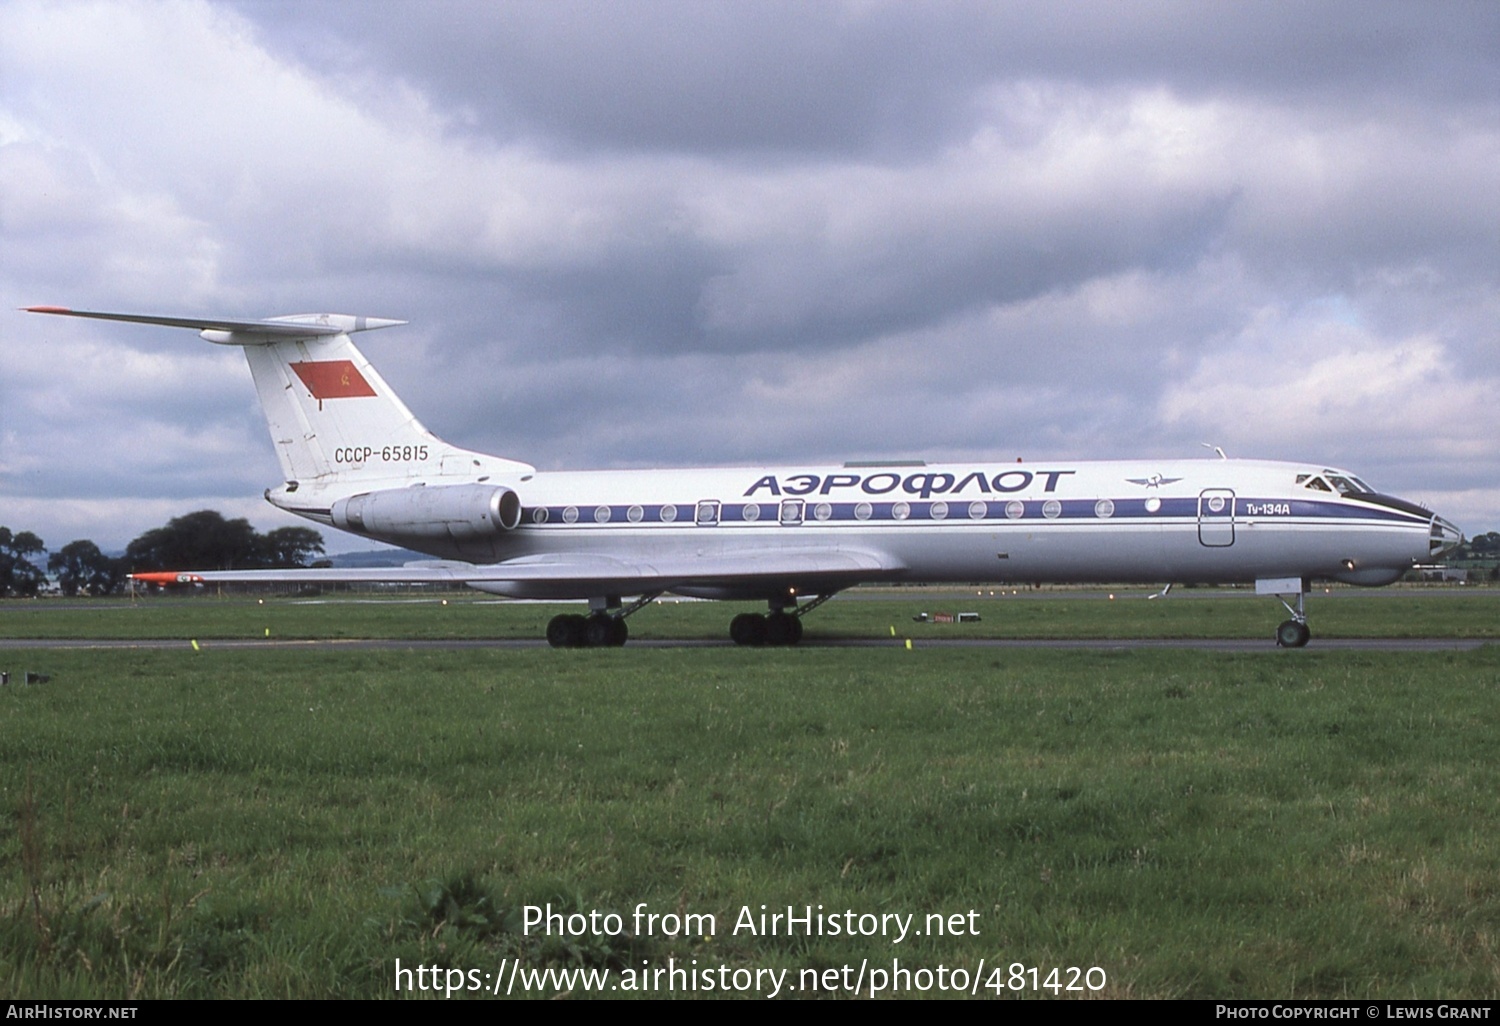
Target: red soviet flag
{"x":332,"y":379}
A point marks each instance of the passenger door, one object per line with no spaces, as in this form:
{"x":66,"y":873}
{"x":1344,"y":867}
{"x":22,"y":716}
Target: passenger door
{"x":1216,"y":517}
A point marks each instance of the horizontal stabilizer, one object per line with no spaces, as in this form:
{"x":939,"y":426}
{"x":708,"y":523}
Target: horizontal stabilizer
{"x":291,"y":326}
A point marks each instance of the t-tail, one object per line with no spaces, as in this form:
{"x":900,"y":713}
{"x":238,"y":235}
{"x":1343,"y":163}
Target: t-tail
{"x":337,"y":427}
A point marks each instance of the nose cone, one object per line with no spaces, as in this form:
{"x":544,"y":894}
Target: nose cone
{"x":1443,"y":538}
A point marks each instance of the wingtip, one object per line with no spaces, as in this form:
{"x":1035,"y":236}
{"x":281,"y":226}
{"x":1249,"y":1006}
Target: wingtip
{"x":46,"y":309}
{"x":165,"y":577}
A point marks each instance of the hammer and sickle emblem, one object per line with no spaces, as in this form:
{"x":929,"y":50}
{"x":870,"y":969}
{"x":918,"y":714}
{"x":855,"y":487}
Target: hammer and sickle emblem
{"x":344,"y":379}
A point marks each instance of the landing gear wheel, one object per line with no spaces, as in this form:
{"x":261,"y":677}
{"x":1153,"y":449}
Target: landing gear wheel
{"x":618,"y":632}
{"x":567,"y":630}
{"x":748,"y":629}
{"x":1292,"y":634}
{"x":783,"y":629}
{"x":605,"y":631}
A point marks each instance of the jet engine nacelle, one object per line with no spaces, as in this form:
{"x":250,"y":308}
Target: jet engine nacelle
{"x":433,"y":511}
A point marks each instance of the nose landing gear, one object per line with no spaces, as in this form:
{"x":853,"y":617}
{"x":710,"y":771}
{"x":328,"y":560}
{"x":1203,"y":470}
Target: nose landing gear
{"x":1291,"y":633}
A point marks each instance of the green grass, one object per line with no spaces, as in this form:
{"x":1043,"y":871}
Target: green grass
{"x":1061,"y":614}
{"x":281,"y":823}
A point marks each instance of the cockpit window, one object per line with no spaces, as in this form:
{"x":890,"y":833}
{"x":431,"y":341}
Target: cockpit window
{"x":1317,"y":484}
{"x":1347,"y":484}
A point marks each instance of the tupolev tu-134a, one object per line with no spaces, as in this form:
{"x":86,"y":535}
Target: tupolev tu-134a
{"x":355,"y":458}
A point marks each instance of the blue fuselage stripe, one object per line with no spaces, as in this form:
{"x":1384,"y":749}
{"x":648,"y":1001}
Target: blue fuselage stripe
{"x":795,"y":512}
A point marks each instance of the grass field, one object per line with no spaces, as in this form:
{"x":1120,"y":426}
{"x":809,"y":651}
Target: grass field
{"x":289,"y":823}
{"x":1210,"y":613}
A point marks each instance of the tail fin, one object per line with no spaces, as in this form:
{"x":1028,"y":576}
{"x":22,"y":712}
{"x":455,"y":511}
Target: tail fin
{"x":333,"y":419}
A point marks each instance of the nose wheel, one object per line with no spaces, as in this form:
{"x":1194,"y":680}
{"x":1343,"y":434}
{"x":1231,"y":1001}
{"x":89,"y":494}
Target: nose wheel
{"x":1292,"y":634}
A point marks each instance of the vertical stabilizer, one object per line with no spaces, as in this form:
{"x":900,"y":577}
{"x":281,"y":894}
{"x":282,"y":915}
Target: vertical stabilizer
{"x":331,"y":414}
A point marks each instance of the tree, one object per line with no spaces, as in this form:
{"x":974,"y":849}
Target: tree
{"x":18,"y":574}
{"x":206,"y":541}
{"x":80,"y":566}
{"x":1485,"y":545}
{"x":197,"y":541}
{"x":290,"y":546}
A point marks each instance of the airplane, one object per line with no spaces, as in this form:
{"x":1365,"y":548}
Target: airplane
{"x":354,"y":457}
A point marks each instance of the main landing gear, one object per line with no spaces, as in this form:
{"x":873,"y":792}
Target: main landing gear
{"x":604,"y":627}
{"x":779,"y":626}
{"x":597,"y":630}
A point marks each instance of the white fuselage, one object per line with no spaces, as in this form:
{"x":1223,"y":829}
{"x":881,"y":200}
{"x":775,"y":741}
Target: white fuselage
{"x":1200,"y":521}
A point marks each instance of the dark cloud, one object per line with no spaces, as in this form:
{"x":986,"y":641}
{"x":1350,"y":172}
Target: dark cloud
{"x":784,"y":77}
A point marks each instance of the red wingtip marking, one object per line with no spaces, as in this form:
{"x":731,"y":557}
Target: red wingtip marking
{"x":166,"y":577}
{"x":46,"y":309}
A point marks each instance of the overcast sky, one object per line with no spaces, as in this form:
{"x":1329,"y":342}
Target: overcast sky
{"x":645,"y":234}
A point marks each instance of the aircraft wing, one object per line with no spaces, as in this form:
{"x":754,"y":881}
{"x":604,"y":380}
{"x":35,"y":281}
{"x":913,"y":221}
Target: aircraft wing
{"x":582,"y":575}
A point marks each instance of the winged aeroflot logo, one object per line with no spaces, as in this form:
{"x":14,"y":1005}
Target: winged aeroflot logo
{"x":1153,"y":481}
